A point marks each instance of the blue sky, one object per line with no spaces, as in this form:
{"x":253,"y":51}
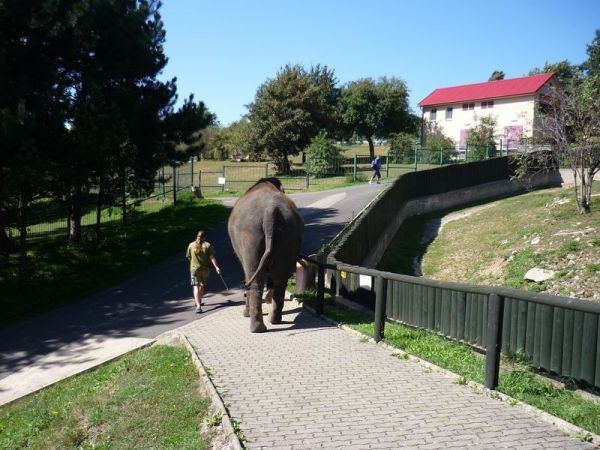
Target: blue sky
{"x":222,"y":51}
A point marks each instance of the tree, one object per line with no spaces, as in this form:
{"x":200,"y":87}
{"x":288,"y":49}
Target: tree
{"x":564,"y":71}
{"x":496,"y":75}
{"x":289,"y":110}
{"x":183,"y":130}
{"x":120,"y":130}
{"x":402,"y":148}
{"x":570,"y":124}
{"x":372,"y":109}
{"x":481,"y":143}
{"x":323,"y":157}
{"x":439,"y":147}
{"x":591,"y":67}
{"x":32,"y":105}
{"x":223,"y":142}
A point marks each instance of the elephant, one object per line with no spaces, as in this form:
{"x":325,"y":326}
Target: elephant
{"x":266,"y":233}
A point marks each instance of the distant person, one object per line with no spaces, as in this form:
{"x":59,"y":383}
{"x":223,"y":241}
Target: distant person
{"x":376,"y":166}
{"x":200,"y":254}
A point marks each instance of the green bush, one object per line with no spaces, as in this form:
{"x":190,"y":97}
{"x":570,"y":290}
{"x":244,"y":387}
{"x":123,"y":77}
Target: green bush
{"x":402,"y":148}
{"x":323,"y":157}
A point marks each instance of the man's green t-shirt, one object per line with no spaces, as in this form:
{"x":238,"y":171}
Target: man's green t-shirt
{"x":200,"y":261}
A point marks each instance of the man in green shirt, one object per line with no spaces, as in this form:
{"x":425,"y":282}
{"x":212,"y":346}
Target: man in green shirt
{"x":200,"y":254}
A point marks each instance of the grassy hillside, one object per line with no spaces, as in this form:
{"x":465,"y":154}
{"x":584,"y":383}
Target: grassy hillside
{"x":497,"y":243}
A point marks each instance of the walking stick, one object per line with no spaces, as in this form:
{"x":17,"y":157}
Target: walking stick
{"x":225,"y":284}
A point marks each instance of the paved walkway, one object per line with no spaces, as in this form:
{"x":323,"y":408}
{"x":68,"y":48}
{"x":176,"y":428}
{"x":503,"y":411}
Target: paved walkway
{"x":306,"y":384}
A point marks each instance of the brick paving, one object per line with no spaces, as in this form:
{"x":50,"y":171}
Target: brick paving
{"x":306,"y":384}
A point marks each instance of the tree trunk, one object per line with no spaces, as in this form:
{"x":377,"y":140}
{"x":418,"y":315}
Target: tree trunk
{"x":99,"y":209}
{"x":6,"y":243}
{"x":371,"y":147}
{"x":75,"y":215}
{"x":23,"y":262}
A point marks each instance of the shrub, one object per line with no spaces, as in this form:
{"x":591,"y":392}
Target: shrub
{"x":402,"y":148}
{"x":323,"y":157}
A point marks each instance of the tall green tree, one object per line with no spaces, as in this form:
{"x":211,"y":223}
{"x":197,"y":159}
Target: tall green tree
{"x":183,"y":130}
{"x":32,"y":105}
{"x":289,"y":110}
{"x":564,"y":71}
{"x":591,"y":67}
{"x":496,"y":75}
{"x":223,"y":142}
{"x":371,"y":109}
{"x":116,"y":104}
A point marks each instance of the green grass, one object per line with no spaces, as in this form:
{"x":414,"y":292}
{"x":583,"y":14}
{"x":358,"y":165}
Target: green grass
{"x":400,"y":254}
{"x":146,"y":399}
{"x":516,"y":379}
{"x":61,"y":272}
{"x":507,"y":237}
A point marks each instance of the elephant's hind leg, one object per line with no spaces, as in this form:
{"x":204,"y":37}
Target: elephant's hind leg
{"x":257,"y":324}
{"x":246,"y":312}
{"x":277,"y":305}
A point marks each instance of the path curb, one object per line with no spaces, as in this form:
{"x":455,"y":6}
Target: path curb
{"x":231,"y":441}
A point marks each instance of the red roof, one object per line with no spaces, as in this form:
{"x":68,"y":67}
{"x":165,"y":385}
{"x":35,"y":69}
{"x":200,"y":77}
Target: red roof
{"x":487,"y":90}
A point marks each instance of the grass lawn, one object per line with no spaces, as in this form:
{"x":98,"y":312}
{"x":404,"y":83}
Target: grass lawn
{"x":147,"y":399}
{"x":516,"y":380}
{"x":61,"y":272}
{"x":508,"y":237}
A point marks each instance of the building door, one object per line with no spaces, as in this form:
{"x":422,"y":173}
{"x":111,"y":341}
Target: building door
{"x":464,"y":133}
{"x":512,"y":134}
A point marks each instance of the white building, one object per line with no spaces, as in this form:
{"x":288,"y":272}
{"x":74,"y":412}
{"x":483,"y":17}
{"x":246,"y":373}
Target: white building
{"x":513,"y":103}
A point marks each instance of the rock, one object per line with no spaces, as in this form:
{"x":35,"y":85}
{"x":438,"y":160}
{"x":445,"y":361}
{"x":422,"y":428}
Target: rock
{"x":535,"y":240}
{"x":538,"y":275}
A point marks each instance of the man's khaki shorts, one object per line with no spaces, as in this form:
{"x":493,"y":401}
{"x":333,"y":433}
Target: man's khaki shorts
{"x":200,"y":278}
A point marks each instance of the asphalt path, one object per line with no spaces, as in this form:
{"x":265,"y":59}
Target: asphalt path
{"x":156,"y":300}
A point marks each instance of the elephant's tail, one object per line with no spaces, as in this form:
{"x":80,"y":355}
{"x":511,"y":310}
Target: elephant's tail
{"x":268,"y":230}
{"x":264,"y":259}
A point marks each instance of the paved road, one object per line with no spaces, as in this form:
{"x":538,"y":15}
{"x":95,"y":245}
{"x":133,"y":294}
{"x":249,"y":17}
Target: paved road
{"x":36,"y":352}
{"x":306,"y":384}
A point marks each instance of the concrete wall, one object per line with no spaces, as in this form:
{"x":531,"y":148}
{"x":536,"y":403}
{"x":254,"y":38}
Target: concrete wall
{"x":453,"y":199}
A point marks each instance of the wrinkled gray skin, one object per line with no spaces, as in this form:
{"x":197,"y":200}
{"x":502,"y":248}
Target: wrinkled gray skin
{"x":266,"y":232}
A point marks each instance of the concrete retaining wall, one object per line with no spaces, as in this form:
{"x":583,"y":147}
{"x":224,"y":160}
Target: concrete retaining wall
{"x":453,"y":199}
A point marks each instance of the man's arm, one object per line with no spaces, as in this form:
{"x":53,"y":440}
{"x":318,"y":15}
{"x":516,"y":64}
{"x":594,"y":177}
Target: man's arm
{"x":213,"y":259}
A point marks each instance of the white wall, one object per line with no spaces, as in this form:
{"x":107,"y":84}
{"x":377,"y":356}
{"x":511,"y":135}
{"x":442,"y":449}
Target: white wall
{"x":508,"y":112}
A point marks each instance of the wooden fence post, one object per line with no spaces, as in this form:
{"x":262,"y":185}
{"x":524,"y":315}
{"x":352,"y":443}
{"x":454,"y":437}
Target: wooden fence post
{"x":320,"y":289}
{"x":380,"y":301}
{"x":494,"y":340}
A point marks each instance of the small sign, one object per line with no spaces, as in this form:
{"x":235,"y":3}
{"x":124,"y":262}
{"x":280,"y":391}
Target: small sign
{"x":221,"y":181}
{"x":343,"y":275}
{"x":364,"y":281}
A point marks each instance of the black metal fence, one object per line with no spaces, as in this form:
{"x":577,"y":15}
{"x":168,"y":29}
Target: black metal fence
{"x":558,"y":334}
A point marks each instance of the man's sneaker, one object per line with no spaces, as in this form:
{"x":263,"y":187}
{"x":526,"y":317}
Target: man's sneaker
{"x":198,"y":309}
{"x":370,"y":181}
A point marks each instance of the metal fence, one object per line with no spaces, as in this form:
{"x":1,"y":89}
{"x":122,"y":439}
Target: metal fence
{"x":49,"y":217}
{"x":559,"y":335}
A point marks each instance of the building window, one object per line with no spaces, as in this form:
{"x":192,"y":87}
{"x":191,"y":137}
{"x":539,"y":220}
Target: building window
{"x":486,"y":105}
{"x":468,"y":106}
{"x":448,"y":113}
{"x":432,"y":114}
